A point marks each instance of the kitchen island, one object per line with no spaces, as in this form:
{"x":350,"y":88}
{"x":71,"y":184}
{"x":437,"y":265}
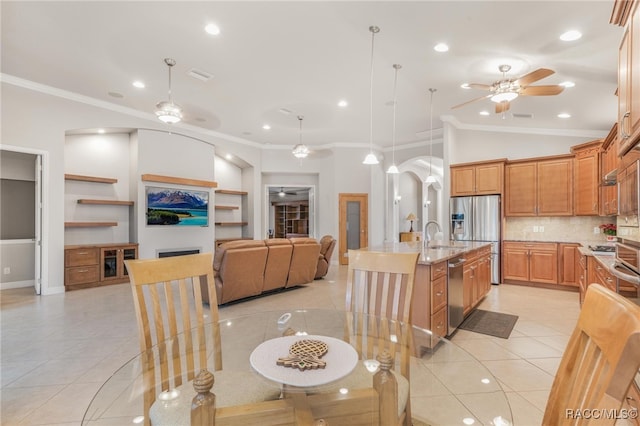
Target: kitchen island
{"x":432,"y":295}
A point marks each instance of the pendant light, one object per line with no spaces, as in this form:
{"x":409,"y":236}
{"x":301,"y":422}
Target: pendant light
{"x":431,"y":178}
{"x":371,"y":157}
{"x":167,"y":111}
{"x":300,"y":150}
{"x":393,"y":169}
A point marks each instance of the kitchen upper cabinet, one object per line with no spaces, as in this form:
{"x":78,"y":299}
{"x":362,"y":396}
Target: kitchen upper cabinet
{"x":628,"y":76}
{"x":586,"y":178}
{"x":477,"y":178}
{"x":608,"y":174}
{"x":539,"y":187}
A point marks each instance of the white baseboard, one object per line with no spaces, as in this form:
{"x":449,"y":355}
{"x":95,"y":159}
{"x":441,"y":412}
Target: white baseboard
{"x":17,"y":284}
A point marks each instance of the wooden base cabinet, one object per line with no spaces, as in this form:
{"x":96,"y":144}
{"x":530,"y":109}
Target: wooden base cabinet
{"x":531,"y":262}
{"x":429,"y":302}
{"x":476,"y":278}
{"x":96,"y":265}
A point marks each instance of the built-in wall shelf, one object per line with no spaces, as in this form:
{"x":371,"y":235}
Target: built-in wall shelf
{"x":230,"y":192}
{"x":231,"y":223}
{"x":90,"y":178}
{"x":179,"y":181}
{"x":219,"y":207}
{"x":105,"y":202}
{"x":89,"y":224}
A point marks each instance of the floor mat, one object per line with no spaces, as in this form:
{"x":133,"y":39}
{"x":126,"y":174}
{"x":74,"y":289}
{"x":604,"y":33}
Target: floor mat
{"x":491,"y":323}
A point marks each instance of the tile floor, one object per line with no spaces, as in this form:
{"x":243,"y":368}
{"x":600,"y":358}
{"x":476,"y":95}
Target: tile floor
{"x":57,"y":350}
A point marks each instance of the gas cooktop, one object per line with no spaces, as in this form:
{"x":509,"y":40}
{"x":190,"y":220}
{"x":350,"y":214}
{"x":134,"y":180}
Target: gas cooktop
{"x":603,"y":249}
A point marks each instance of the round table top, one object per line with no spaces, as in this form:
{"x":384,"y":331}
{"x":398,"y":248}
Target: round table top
{"x":447,"y":384}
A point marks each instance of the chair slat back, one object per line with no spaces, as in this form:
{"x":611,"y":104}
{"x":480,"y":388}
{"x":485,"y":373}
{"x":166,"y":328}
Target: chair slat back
{"x":168,"y":301}
{"x":599,"y":362}
{"x":378,"y":305}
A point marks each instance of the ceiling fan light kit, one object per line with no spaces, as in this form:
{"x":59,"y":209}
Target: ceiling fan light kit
{"x":371,"y":158}
{"x":506,"y":89}
{"x":300,"y":150}
{"x":167,"y":111}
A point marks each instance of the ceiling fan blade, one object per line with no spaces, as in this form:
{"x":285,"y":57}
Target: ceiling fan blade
{"x":502,"y":107}
{"x":541,"y":90}
{"x":534,"y":76}
{"x":480,"y":86}
{"x":472,"y":100}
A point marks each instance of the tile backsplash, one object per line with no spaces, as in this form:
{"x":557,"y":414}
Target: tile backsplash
{"x":561,"y":229}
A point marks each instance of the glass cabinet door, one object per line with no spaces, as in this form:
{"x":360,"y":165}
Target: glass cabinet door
{"x":129,"y":253}
{"x":109,"y":263}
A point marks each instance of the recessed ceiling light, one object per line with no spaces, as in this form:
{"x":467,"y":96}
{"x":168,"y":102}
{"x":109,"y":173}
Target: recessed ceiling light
{"x":564,"y":115}
{"x":484,"y":112}
{"x":266,"y":127}
{"x":101,"y":131}
{"x":568,"y":84}
{"x":465,"y":86}
{"x":212,"y":29}
{"x":342,"y":103}
{"x":441,"y":47}
{"x":139,"y":84}
{"x":468,"y":421}
{"x":229,"y":157}
{"x":571,"y":35}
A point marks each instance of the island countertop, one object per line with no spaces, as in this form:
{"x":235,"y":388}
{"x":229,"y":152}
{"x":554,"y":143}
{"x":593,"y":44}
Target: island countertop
{"x":435,"y":252}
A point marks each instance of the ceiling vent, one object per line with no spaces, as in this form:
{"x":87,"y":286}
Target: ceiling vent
{"x":199,"y":74}
{"x":521,"y":115}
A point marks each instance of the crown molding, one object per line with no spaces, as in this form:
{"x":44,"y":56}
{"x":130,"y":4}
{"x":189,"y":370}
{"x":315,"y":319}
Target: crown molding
{"x":596,"y":134}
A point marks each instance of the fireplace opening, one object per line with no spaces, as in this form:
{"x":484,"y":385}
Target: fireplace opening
{"x":171,"y":253}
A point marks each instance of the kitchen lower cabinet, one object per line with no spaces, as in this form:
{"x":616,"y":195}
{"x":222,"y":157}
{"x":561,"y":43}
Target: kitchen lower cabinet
{"x":568,"y":271}
{"x":429,"y":308}
{"x":476,"y":277}
{"x":532,"y":262}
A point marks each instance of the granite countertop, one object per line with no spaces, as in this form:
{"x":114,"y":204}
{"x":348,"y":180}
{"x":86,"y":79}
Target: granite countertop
{"x":437,"y":251}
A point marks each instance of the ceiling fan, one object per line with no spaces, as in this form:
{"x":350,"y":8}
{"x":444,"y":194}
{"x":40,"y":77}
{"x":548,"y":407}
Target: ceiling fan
{"x":506,"y":89}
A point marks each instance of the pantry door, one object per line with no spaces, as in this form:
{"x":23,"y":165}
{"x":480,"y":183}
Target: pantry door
{"x":353,"y":224}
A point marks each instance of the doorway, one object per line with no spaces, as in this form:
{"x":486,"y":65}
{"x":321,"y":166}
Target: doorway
{"x":290,"y":211}
{"x":22,"y":241}
{"x":353,"y":224}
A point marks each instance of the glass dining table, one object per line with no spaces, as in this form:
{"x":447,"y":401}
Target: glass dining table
{"x":447,"y":385}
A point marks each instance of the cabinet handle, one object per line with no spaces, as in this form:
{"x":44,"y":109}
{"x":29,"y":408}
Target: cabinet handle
{"x":83,"y":253}
{"x":625,"y":135}
{"x":439,"y":294}
{"x":82,"y":271}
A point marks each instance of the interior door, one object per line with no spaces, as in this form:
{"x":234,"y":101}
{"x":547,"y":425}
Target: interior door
{"x":353,"y":223}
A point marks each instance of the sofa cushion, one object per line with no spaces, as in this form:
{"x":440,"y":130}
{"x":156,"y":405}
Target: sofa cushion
{"x":222,"y":248}
{"x":278,"y":262}
{"x":241,"y":272}
{"x":304,"y":261}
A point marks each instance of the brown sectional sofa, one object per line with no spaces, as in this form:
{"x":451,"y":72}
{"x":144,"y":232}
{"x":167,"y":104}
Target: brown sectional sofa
{"x":246,"y":268}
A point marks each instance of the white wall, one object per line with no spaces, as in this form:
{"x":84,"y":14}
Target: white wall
{"x":106,"y":156}
{"x":229,"y":176}
{"x":171,"y":154}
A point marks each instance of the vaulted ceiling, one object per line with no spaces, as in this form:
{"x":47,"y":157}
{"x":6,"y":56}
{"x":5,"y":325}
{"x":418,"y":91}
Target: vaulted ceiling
{"x":273,"y":61}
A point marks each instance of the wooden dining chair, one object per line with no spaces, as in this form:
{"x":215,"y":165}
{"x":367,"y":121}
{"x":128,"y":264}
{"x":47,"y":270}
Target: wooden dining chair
{"x":178,"y":341}
{"x":378,"y":302}
{"x":599,"y":363}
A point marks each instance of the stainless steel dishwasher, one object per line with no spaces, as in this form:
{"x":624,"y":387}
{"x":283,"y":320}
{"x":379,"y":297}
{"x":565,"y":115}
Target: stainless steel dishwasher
{"x":455,"y":293}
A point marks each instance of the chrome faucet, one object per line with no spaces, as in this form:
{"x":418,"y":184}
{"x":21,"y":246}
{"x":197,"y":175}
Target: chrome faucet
{"x":427,"y":237}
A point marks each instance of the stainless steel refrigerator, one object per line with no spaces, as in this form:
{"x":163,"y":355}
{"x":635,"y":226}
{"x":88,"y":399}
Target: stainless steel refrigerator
{"x":478,"y":219}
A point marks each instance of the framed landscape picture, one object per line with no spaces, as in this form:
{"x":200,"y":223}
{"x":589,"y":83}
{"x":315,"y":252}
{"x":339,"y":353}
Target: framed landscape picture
{"x":177,"y":207}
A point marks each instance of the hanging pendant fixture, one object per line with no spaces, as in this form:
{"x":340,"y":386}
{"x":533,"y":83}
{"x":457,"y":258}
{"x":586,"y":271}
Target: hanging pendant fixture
{"x":300,"y":150}
{"x":167,"y":111}
{"x":393,"y":169}
{"x":431,"y":178}
{"x":371,"y":157}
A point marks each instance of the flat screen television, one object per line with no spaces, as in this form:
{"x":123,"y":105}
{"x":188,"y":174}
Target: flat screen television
{"x":177,"y":207}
